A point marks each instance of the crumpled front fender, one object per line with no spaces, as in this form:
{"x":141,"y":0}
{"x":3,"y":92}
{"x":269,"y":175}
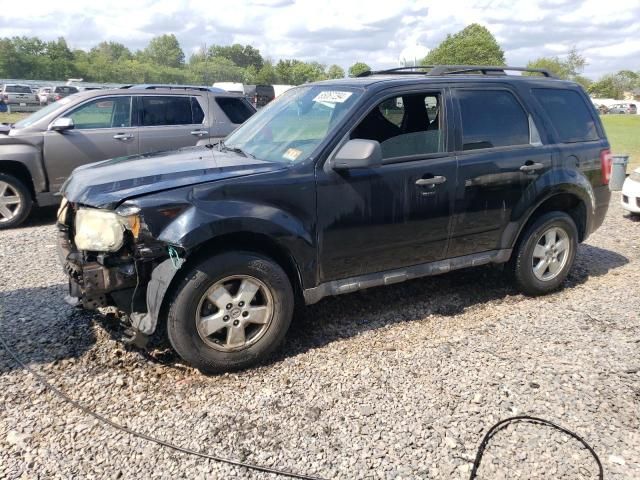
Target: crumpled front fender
{"x":157,"y":287}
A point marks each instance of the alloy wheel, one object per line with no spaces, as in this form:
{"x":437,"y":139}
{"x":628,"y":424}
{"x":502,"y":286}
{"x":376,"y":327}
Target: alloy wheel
{"x":551,"y":254}
{"x":234,"y":313}
{"x":10,"y":202}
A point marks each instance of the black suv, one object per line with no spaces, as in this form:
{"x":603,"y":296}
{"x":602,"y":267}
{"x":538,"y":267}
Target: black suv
{"x":334,"y":187}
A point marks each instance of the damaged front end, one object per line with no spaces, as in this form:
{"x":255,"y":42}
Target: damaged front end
{"x":132,"y":275}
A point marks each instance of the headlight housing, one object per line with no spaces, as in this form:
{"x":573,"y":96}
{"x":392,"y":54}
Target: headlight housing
{"x":102,"y":230}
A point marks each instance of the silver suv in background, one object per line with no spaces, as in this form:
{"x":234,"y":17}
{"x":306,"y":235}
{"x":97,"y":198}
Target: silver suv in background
{"x":43,"y":95}
{"x":16,"y":94}
{"x":59,"y":92}
{"x":41,"y":151}
{"x":623,"y":108}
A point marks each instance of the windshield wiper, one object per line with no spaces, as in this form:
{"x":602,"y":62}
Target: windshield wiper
{"x":222,"y":146}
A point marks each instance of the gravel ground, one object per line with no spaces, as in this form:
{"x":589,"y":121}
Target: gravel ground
{"x":395,"y":382}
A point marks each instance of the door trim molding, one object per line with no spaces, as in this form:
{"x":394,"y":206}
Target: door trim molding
{"x":388,"y":277}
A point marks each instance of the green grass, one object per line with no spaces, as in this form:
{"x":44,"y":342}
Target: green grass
{"x":623,"y":132}
{"x":12,"y":117}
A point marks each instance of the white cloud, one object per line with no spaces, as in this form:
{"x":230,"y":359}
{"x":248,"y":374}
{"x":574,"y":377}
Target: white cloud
{"x":377,"y":32}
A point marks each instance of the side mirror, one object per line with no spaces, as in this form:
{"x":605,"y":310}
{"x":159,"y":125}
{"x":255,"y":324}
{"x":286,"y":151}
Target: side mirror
{"x":61,"y":124}
{"x":358,"y":153}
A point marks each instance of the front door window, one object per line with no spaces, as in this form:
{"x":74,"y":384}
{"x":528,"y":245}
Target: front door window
{"x":110,"y":112}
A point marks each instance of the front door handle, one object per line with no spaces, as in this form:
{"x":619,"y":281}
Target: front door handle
{"x":531,"y":167}
{"x":431,"y":181}
{"x":123,"y":136}
{"x":199,"y":133}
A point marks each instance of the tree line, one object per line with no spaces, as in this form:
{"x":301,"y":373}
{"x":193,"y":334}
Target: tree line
{"x":475,"y":45}
{"x":161,"y":61}
{"x":164,"y":61}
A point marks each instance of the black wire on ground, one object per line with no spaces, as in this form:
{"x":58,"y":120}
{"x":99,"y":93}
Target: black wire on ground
{"x":539,"y":421}
{"x":283,"y":473}
{"x":97,"y":416}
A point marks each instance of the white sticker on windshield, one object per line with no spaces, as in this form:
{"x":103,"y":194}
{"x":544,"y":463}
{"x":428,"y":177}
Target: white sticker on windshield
{"x":292,"y":154}
{"x":332,"y":96}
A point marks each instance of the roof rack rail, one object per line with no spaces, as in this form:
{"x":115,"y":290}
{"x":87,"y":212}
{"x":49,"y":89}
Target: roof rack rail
{"x":401,"y":70}
{"x":438,"y":70}
{"x":154,"y":86}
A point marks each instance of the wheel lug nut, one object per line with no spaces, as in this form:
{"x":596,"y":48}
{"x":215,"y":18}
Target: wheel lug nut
{"x":241,"y":304}
{"x":245,"y":314}
{"x":229,"y":306}
{"x":225,"y":318}
{"x":236,"y":323}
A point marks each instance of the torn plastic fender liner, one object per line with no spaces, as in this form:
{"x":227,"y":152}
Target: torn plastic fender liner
{"x":161,"y":278}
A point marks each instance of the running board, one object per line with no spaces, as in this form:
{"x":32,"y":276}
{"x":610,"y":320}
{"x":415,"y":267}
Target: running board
{"x":353,"y":284}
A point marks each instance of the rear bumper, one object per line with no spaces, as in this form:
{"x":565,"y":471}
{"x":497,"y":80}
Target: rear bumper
{"x":602,"y":198}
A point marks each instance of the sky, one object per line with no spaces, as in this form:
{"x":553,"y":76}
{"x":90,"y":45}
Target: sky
{"x":378,"y":32}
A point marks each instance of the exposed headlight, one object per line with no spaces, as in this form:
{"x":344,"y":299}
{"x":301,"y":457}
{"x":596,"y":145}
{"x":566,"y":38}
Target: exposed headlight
{"x":102,"y":230}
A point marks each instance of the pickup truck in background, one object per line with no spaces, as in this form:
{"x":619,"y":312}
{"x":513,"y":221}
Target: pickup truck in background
{"x":15,"y":94}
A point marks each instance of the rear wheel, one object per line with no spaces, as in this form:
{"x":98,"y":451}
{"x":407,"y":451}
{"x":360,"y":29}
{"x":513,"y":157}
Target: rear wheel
{"x":545,"y":254}
{"x":230,"y":312}
{"x":15,"y":201}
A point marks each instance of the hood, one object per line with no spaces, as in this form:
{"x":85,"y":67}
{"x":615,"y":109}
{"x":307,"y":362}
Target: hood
{"x":107,"y":183}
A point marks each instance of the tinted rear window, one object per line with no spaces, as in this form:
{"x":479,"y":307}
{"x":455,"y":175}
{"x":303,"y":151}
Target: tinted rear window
{"x":492,"y":118}
{"x":67,"y":90}
{"x":17,"y":89}
{"x":569,"y":115}
{"x":173,"y":110}
{"x":236,"y":109}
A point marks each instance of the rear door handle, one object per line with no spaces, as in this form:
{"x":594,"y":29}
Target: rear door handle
{"x":199,"y":133}
{"x":123,"y":136}
{"x":431,"y":181}
{"x":531,"y":167}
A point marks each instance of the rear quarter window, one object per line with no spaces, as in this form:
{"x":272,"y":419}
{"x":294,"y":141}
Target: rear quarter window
{"x":569,"y":115}
{"x":236,"y":109}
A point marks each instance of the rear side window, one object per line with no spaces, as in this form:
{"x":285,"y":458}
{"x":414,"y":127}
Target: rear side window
{"x":492,"y":118}
{"x":569,"y":115}
{"x":174,"y":110}
{"x":236,"y":109}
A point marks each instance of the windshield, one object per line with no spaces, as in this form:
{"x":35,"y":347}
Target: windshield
{"x":291,"y":127}
{"x":43,"y":112}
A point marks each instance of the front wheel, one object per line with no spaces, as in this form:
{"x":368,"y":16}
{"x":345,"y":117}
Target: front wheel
{"x":230,"y":312}
{"x":545,"y":254}
{"x":15,"y":201}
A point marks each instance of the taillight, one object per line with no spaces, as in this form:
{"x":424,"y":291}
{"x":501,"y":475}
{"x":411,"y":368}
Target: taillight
{"x":606,"y":160}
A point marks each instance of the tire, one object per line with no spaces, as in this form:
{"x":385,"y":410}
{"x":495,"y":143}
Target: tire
{"x":534,"y":247}
{"x":216,"y":350}
{"x":15,"y":201}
